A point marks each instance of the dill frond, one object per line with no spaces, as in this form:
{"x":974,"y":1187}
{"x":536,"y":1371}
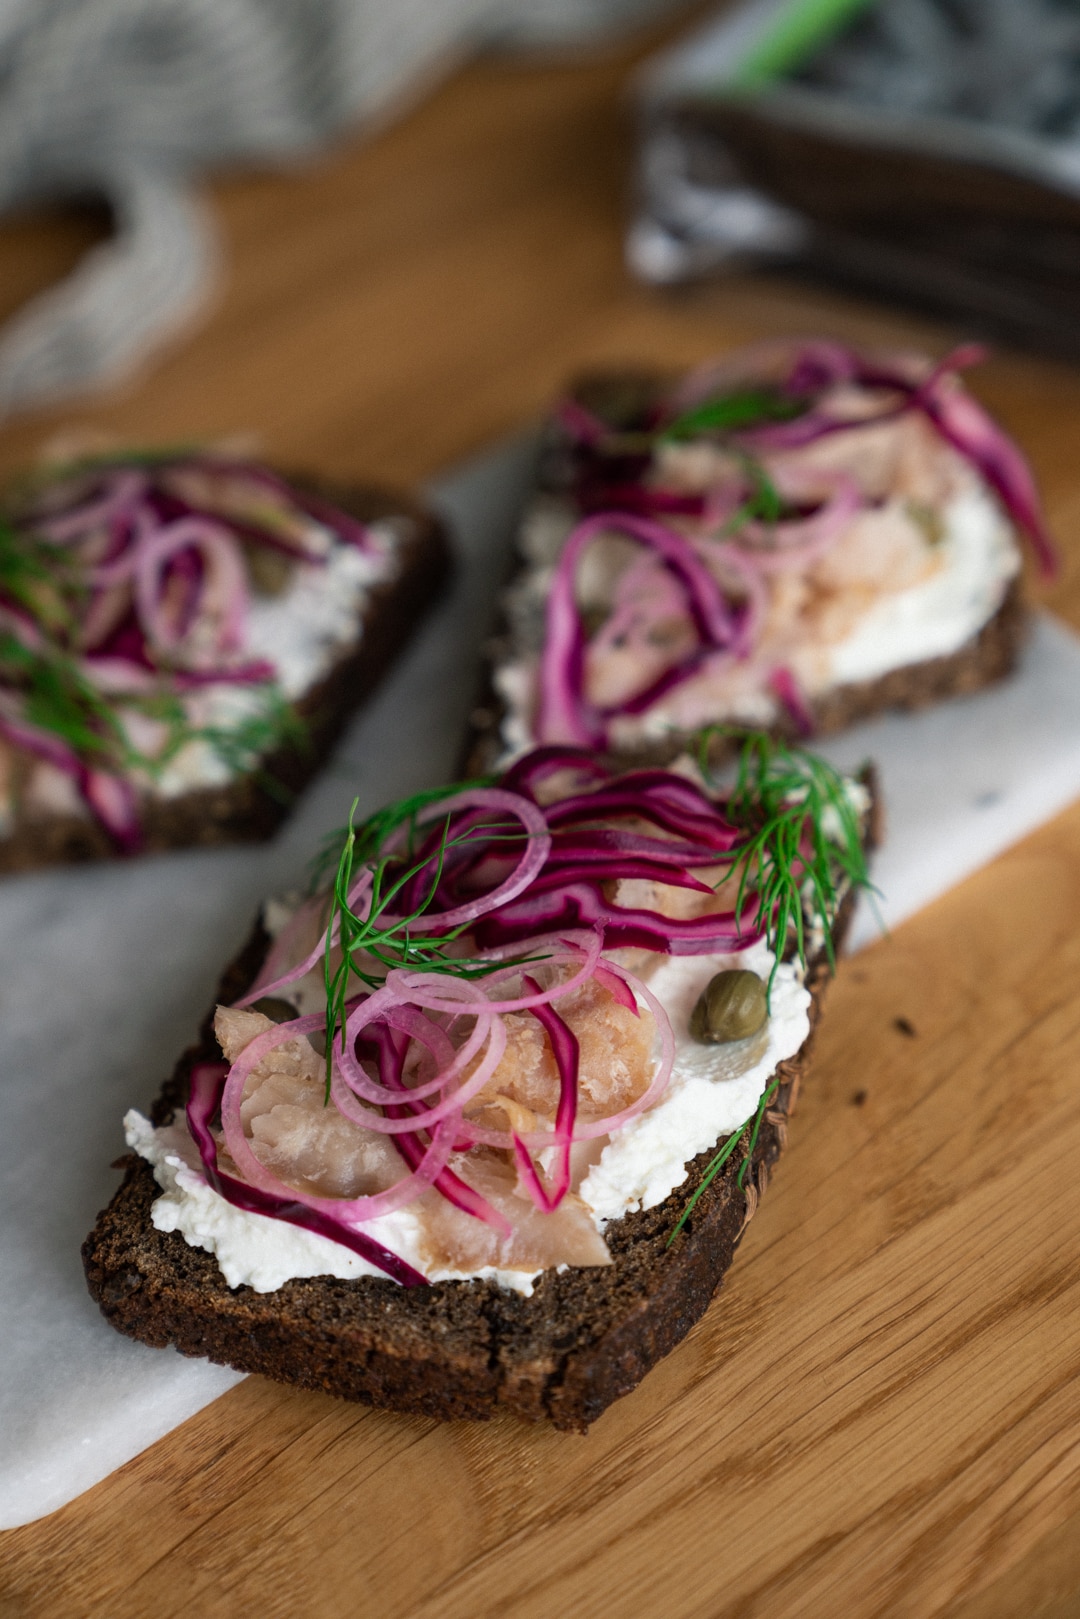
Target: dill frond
{"x":717,"y":1163}
{"x":376,"y":942}
{"x":735,"y":412}
{"x":245,"y":745}
{"x":804,"y":847}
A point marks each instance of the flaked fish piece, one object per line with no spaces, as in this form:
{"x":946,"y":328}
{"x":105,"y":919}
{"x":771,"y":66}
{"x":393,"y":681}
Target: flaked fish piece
{"x":293,"y":1131}
{"x":615,"y":1061}
{"x":453,"y":1240}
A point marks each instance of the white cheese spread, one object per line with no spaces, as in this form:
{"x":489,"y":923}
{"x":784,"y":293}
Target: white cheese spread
{"x":713,"y":1090}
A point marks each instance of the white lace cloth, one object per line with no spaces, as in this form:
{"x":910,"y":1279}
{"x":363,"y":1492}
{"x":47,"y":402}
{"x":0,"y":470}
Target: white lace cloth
{"x":129,"y":99}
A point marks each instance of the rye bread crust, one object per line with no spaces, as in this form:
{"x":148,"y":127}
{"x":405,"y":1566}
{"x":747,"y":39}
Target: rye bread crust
{"x":990,"y":655}
{"x":252,"y":806}
{"x":454,"y":1349}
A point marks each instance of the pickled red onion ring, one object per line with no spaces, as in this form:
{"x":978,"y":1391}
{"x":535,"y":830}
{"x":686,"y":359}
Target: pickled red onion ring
{"x":537,"y":848}
{"x":205,"y":1087}
{"x":567,"y":1053}
{"x":348,"y":1077}
{"x":357,"y":1209}
{"x":564,"y":714}
{"x":594,"y":1129}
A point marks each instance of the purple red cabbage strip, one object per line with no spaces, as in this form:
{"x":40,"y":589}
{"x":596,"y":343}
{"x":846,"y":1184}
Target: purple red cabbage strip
{"x":206,"y":1083}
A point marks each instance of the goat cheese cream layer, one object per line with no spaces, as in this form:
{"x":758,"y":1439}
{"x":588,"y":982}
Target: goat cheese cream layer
{"x":975,"y":559}
{"x":713,"y":1090}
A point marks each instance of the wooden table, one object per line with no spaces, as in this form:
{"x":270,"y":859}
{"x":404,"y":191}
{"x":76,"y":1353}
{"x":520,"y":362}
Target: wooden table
{"x":881,"y":1414}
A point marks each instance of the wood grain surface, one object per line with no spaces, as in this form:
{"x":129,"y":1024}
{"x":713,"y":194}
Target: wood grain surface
{"x":880,"y":1415}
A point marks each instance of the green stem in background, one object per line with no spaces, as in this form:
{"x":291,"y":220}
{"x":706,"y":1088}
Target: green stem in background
{"x":373,"y":944}
{"x":799,"y":29}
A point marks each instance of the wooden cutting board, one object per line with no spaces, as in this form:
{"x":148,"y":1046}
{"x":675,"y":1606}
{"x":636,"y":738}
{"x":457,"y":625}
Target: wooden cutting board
{"x":880,"y":1415}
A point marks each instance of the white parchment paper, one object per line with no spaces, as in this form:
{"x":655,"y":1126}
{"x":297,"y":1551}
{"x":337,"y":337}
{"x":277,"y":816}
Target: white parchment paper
{"x":106,"y":972}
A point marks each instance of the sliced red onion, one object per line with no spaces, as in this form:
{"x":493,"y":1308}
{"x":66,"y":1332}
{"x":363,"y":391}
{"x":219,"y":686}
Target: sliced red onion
{"x":225,"y":577}
{"x":348,"y":1075}
{"x":123,"y":490}
{"x":537,"y":846}
{"x":561,"y":874}
{"x":618,"y":988}
{"x":207,"y":1081}
{"x":456,"y":1191}
{"x":356,"y":1209}
{"x":537,"y":843}
{"x":787,"y":688}
{"x":45,"y":744}
{"x":594,"y":1129}
{"x":342,"y":523}
{"x":111,"y":799}
{"x":115,"y":803}
{"x":964,"y":424}
{"x":564,"y":715}
{"x":567,"y":1054}
{"x":119,"y":677}
{"x":582,"y":845}
{"x":437,"y":992}
{"x":641,"y":499}
{"x":581,"y":905}
{"x":677,"y":806}
{"x":775,"y":547}
{"x":526,"y":774}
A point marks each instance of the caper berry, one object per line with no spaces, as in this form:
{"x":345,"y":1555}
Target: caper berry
{"x":277,"y":1010}
{"x":270,"y":571}
{"x":732,"y":1006}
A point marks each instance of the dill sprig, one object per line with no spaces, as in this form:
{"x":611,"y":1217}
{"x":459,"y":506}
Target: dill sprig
{"x":375,"y":942}
{"x":58,"y":698}
{"x":763,"y":504}
{"x":244,"y":745}
{"x":805,"y":851}
{"x":804,"y":847}
{"x":725,"y":1152}
{"x":34,"y":578}
{"x":734,"y":412}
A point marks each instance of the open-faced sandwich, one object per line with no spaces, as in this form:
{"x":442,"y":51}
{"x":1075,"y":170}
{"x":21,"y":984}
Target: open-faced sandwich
{"x":478,"y":1124}
{"x":795,"y":537}
{"x":182,"y":635}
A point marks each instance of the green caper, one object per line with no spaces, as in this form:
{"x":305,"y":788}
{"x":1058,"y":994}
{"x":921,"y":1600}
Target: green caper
{"x":270,"y":571}
{"x":278,"y":1011}
{"x":732,"y":1006}
{"x":282,"y":1011}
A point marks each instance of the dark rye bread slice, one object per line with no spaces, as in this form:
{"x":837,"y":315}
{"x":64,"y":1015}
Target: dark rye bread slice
{"x":455,"y":1349}
{"x":619,"y":397}
{"x":252,"y":806}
